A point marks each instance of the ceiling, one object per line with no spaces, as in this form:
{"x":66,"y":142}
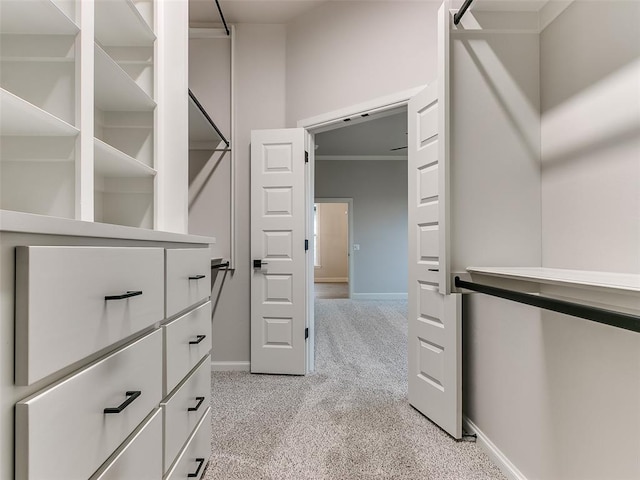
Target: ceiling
{"x":249,"y":11}
{"x":367,"y":140}
{"x":282,"y":11}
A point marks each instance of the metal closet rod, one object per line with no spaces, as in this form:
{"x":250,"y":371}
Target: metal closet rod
{"x":595,"y":314}
{"x":206,"y":115}
{"x":224,"y":22}
{"x":224,"y":265}
{"x":458,"y":16}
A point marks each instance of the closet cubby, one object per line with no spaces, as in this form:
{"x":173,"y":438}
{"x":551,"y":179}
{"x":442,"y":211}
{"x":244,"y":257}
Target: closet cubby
{"x":124,"y":115}
{"x":38,"y":65}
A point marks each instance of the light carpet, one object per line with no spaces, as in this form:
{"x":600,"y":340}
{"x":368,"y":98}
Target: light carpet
{"x":349,"y":420}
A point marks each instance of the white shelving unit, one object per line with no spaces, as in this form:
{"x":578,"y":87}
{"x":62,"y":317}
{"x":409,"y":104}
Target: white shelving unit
{"x":49,"y":86}
{"x":38,"y":91}
{"x":124,"y":150}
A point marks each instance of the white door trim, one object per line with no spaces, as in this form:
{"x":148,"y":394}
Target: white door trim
{"x":386,"y":105}
{"x":349,"y":201}
{"x":332,"y":120}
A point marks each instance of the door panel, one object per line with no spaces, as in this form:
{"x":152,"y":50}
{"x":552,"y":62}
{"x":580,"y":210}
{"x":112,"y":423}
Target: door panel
{"x":278,"y":287}
{"x":434,"y":317}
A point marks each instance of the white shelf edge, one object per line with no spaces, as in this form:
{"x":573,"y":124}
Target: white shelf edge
{"x":604,"y":281}
{"x":112,"y":157}
{"x":37,"y":59}
{"x":41,"y":122}
{"x":104,"y":60}
{"x":19,"y":222}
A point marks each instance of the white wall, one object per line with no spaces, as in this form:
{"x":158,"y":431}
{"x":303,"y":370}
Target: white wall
{"x":343,"y":53}
{"x":559,"y":395}
{"x":260,"y":93}
{"x":333,"y":242}
{"x":379,"y":192}
{"x":590,"y":86}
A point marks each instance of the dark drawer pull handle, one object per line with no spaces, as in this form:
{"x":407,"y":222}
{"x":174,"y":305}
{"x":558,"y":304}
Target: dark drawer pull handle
{"x":132,"y":396}
{"x":199,"y":338}
{"x":197,"y":277}
{"x":434,"y":269}
{"x":129,"y":294}
{"x":195,"y":409}
{"x":200,"y":463}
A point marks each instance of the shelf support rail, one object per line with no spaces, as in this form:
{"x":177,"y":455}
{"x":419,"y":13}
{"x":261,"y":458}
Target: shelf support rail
{"x":224,"y":22}
{"x":458,"y":16}
{"x":206,"y":115}
{"x":595,"y":314}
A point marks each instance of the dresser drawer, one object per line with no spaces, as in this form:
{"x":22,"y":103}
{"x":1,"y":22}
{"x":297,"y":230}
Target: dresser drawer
{"x":63,"y":432}
{"x":140,"y":457}
{"x":188,"y":278}
{"x":187,"y":339}
{"x":195,"y":456}
{"x":64,"y":305}
{"x":184,"y":409}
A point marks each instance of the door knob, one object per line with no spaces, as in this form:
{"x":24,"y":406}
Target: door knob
{"x":259,"y":263}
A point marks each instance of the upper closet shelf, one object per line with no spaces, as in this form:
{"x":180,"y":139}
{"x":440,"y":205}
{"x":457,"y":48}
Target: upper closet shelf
{"x":115,"y":90}
{"x":203,"y":132}
{"x":42,"y":17}
{"x":20,"y":117}
{"x":120,"y":24}
{"x":111,"y":162}
{"x":617,"y":282}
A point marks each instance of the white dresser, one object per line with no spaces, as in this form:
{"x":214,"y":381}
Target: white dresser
{"x":112,"y":370}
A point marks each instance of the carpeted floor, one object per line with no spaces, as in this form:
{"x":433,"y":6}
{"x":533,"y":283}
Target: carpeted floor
{"x":349,"y":420}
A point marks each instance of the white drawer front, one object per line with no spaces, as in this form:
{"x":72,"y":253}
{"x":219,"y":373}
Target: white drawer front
{"x":62,"y":315}
{"x":185,"y":345}
{"x":184,"y":409}
{"x":188,"y":277}
{"x":64,"y":433}
{"x":195,"y":455}
{"x":140,"y":458}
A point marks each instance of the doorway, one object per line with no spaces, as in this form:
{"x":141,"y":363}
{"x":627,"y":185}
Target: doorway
{"x":332,"y":259}
{"x":365,"y":164}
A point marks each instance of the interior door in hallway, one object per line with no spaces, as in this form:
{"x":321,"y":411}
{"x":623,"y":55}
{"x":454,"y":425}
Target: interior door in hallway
{"x":278,"y":252}
{"x":435,"y":367}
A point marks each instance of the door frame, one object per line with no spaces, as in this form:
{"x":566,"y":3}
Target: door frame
{"x":350,"y":267}
{"x":324,"y":123}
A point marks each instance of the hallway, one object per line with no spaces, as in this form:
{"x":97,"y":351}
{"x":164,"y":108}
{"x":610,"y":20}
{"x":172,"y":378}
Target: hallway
{"x":348,"y":420}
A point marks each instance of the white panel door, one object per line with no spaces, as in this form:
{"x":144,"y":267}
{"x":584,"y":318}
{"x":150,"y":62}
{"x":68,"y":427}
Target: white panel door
{"x":435,"y":367}
{"x":278,"y":286}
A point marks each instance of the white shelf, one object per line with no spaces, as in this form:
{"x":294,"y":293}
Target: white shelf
{"x":115,"y":90}
{"x":111,"y":162}
{"x":35,"y":17}
{"x":30,"y":223}
{"x":619,"y":282}
{"x":20,"y":117}
{"x":119,"y":23}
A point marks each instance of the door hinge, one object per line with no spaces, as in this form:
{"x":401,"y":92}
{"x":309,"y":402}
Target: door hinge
{"x":306,"y":245}
{"x":306,"y":157}
{"x":306,"y":333}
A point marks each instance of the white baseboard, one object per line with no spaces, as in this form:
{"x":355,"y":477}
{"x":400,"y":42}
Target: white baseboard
{"x":230,"y":366}
{"x":499,"y":458}
{"x":378,"y":296}
{"x":331,"y":280}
